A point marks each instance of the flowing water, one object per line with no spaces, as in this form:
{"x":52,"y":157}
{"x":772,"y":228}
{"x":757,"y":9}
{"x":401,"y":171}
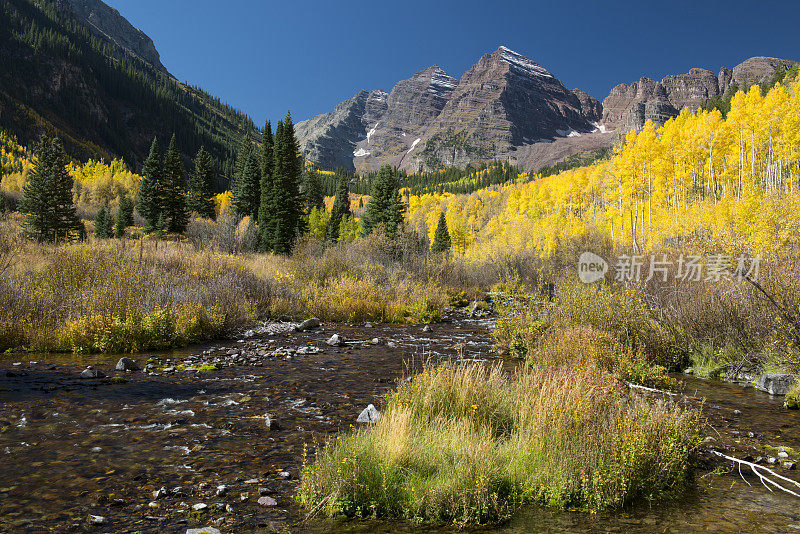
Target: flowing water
{"x":72,"y":448}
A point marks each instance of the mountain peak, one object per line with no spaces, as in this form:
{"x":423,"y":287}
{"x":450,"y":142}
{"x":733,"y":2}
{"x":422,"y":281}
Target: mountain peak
{"x":521,"y":64}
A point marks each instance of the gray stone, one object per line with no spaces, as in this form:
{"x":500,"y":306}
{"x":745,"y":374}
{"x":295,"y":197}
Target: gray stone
{"x":335,"y":341}
{"x":267,"y":501}
{"x":308,"y":324}
{"x":776,"y":384}
{"x":199,"y":506}
{"x":97,"y":519}
{"x":368,"y":415}
{"x":91,"y":372}
{"x":790,"y":465}
{"x":427,"y":328}
{"x":783,"y":454}
{"x":160,"y":493}
{"x":204,"y":530}
{"x":127,"y":364}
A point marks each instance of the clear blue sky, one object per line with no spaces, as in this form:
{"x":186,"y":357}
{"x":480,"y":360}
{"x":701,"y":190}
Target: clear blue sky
{"x":266,"y":56}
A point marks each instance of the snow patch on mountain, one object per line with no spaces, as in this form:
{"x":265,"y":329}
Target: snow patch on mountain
{"x":372,"y":131}
{"x":441,"y":82}
{"x":522,"y":64}
{"x":361,"y":152}
{"x":598,"y":127}
{"x":568,"y":133}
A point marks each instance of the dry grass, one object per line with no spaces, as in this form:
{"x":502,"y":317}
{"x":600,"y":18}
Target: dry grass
{"x":467,"y":444}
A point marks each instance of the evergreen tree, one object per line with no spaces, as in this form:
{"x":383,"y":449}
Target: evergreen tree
{"x":201,"y":186}
{"x":313,"y":194}
{"x":267,"y":207}
{"x":151,"y":188}
{"x":288,"y":200}
{"x":103,"y":224}
{"x":441,"y":239}
{"x":341,"y":207}
{"x":47,"y":197}
{"x":247,"y":196}
{"x":385,"y":206}
{"x":175,"y":211}
{"x":125,"y":210}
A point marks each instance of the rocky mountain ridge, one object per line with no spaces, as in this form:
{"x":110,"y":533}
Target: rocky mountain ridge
{"x":506,"y":106}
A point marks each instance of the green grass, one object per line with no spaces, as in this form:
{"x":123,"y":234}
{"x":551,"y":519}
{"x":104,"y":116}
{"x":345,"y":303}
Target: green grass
{"x":469,"y":444}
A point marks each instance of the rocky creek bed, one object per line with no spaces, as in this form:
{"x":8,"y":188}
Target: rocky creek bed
{"x":216,"y":436}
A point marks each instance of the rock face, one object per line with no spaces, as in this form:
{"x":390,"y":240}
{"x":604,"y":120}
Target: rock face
{"x":505,"y":107}
{"x":629,"y":106}
{"x":503,"y":102}
{"x":776,"y":384}
{"x":106,"y":22}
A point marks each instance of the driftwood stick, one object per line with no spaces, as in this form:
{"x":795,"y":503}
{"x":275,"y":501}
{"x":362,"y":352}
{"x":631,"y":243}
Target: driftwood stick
{"x":764,"y":478}
{"x":651,"y":390}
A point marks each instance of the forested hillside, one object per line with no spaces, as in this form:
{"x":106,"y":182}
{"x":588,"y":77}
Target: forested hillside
{"x":730,"y":181}
{"x":57,"y":77}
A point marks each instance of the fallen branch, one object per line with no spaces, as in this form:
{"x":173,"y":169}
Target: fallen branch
{"x":651,"y":390}
{"x":764,"y":479}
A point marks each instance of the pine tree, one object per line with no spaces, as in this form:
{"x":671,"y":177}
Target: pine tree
{"x":175,"y":189}
{"x":151,"y":188}
{"x":104,"y":224}
{"x":201,"y":186}
{"x":267,"y":207}
{"x":47,"y":197}
{"x":341,"y":207}
{"x":385,"y":206}
{"x":288,"y":200}
{"x":441,"y":239}
{"x":313,"y":194}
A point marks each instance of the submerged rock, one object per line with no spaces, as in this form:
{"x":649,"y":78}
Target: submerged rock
{"x":368,"y":415}
{"x":776,"y":384}
{"x":267,"y":501}
{"x":127,"y":364}
{"x":308,"y":324}
{"x":91,"y":372}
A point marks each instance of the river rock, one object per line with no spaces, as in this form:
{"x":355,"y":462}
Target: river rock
{"x":97,"y":519}
{"x":335,"y":341}
{"x":427,"y":328}
{"x":204,"y":530}
{"x":91,"y":372}
{"x":267,"y":501}
{"x":790,"y":465}
{"x":783,"y":454}
{"x":308,"y":324}
{"x":127,"y":364}
{"x":199,"y":506}
{"x":368,"y":415}
{"x":776,"y":384}
{"x":160,"y":493}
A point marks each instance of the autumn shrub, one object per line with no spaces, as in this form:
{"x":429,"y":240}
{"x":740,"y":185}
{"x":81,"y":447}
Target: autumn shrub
{"x":469,"y":444}
{"x":115,"y":297}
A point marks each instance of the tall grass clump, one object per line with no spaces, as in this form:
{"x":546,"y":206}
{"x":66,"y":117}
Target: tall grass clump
{"x":101,"y":297}
{"x":469,"y":444}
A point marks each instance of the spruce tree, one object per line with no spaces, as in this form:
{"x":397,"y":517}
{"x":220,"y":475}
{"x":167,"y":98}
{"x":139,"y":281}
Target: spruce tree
{"x":201,"y":186}
{"x":151,"y":188}
{"x":175,"y":211}
{"x":267,"y":207}
{"x":313,"y":195}
{"x":341,"y":206}
{"x":125,"y":211}
{"x":104,"y":223}
{"x":239,"y":199}
{"x":385,"y":206}
{"x":247,"y":195}
{"x":47,"y":197}
{"x":441,"y":239}
{"x":288,"y":200}
{"x":119,"y":224}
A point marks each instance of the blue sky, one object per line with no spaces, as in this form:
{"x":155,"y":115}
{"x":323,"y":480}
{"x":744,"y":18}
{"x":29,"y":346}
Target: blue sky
{"x":265,"y":57}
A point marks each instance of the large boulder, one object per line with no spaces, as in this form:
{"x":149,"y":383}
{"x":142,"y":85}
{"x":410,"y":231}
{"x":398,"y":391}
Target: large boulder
{"x":776,"y":384}
{"x":127,"y":364}
{"x":368,"y":415}
{"x":335,"y":341}
{"x":91,"y":372}
{"x":308,"y":324}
